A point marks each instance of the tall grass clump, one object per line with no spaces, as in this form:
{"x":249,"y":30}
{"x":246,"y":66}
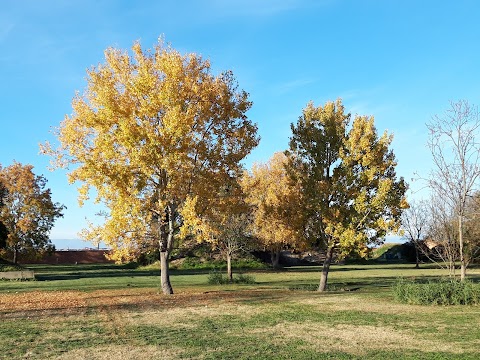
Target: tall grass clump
{"x":437,"y":292}
{"x":216,"y":278}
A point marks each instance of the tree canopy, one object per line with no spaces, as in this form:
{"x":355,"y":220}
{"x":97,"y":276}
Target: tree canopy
{"x":222,"y":223}
{"x":156,"y":134}
{"x":350,"y":196}
{"x":275,"y":212}
{"x":28,"y":213}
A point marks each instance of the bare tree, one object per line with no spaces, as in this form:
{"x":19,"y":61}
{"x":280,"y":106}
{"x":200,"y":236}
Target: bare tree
{"x":472,"y":229}
{"x":431,"y":228}
{"x":441,"y":243}
{"x":233,"y":239}
{"x":415,"y":221}
{"x":456,"y":155}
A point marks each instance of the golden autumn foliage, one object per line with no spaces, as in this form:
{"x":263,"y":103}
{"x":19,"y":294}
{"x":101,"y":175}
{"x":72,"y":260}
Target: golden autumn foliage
{"x":223,"y":223}
{"x":3,"y":228}
{"x":156,"y":135}
{"x":276,"y":218}
{"x":26,"y":210}
{"x":350,"y":196}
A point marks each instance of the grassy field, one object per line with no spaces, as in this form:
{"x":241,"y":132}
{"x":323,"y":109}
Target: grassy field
{"x":114,"y":312}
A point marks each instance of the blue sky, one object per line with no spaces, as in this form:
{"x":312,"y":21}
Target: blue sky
{"x":401,"y":61}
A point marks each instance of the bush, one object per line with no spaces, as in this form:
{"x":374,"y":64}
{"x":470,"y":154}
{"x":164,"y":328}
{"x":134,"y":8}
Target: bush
{"x":244,"y":279}
{"x":216,"y":278}
{"x":304,"y":287}
{"x":149,"y":257}
{"x":8,"y":266}
{"x":331,"y":287}
{"x":439,"y":292}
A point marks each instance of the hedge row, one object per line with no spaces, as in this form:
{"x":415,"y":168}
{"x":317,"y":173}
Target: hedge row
{"x":438,"y":292}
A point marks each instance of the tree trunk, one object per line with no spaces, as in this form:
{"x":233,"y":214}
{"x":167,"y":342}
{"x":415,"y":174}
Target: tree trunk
{"x":326,"y":267}
{"x":166,"y":244}
{"x":463,"y":267}
{"x":15,"y":255}
{"x":275,"y":257}
{"x":229,"y":267}
{"x":463,"y":270}
{"x":417,"y":260}
{"x":164,"y":273}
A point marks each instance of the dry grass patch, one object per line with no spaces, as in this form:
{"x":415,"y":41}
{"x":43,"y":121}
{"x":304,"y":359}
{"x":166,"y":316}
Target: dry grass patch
{"x":354,"y":339}
{"x":181,"y":317}
{"x":350,"y":302}
{"x":124,"y":352}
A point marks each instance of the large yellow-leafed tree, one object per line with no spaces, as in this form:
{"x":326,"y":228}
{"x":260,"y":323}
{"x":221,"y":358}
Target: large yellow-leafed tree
{"x":153,"y":132}
{"x":276,"y":216}
{"x":350,"y":195}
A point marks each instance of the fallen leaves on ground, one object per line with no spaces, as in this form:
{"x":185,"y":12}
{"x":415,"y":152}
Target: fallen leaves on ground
{"x":67,"y":301}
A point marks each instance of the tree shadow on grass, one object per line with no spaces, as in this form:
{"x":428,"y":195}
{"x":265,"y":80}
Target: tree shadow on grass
{"x":94,"y":275}
{"x":85,"y":271}
{"x":82,"y":271}
{"x":355,"y":284}
{"x":354,"y":267}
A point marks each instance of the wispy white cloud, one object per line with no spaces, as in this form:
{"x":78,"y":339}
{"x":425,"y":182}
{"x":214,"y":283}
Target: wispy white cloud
{"x":365,"y":102}
{"x":289,"y":86}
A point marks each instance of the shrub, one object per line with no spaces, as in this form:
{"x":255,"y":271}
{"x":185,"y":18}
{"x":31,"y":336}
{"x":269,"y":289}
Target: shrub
{"x":216,"y":278}
{"x":149,"y":257}
{"x":244,"y":279}
{"x":439,"y":292}
{"x":331,"y":287}
{"x":304,"y":287}
{"x":8,"y":266}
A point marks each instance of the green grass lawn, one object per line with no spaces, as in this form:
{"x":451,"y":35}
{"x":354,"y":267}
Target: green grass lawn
{"x":116,"y":312}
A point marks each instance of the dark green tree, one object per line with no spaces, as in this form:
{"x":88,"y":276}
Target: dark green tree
{"x":350,"y":196}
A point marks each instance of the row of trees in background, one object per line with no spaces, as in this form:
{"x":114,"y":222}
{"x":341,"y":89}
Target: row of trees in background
{"x":446,"y":229}
{"x":161,"y":140}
